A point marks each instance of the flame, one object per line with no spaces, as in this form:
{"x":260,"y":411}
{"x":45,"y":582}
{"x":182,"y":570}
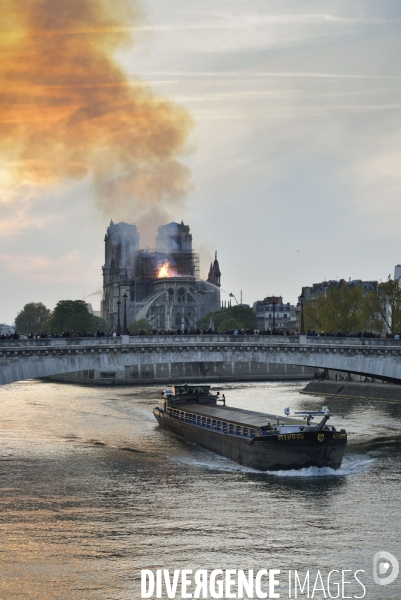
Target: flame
{"x":68,"y":110}
{"x":166,"y":271}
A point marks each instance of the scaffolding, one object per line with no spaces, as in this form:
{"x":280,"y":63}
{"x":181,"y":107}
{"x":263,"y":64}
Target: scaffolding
{"x":149,"y":262}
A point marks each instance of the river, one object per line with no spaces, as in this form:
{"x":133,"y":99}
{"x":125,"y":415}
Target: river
{"x":92,"y":491}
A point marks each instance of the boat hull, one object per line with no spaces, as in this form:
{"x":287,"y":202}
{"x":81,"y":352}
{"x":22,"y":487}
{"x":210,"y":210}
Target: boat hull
{"x":264,"y":453}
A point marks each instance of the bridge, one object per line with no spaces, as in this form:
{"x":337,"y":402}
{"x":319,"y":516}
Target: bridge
{"x":170,"y":359}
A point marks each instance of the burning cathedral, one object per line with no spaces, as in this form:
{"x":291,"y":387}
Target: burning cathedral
{"x":160,"y":285}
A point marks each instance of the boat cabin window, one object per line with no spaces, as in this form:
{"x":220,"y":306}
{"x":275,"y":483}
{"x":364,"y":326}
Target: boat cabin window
{"x":191,"y":390}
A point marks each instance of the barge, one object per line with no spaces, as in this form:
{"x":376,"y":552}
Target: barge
{"x":256,"y":440}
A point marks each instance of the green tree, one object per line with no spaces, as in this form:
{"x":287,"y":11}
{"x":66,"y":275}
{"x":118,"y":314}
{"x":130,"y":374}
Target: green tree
{"x":372,"y":309}
{"x":230,"y":324}
{"x":141,"y":324}
{"x":68,"y":315}
{"x":79,"y":323}
{"x":32,"y":318}
{"x":242,"y":314}
{"x":344,"y":308}
{"x":99,"y":323}
{"x":391,"y":292}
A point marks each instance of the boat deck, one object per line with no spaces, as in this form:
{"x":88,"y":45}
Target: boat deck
{"x":237,"y":415}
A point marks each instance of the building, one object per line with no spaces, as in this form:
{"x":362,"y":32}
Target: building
{"x":309,"y":293}
{"x":160,"y":285}
{"x":95,"y":313}
{"x":214,"y":272}
{"x":273,"y":313}
{"x":6,"y":329}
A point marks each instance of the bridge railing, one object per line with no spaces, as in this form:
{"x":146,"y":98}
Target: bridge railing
{"x":155,"y":340}
{"x":147,"y":340}
{"x":152,"y":340}
{"x":351,"y":341}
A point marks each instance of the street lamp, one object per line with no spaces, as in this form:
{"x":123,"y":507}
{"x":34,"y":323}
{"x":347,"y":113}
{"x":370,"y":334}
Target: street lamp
{"x":274,"y":314}
{"x":232,"y":296}
{"x":118,"y":317}
{"x":125,"y":328}
{"x":302,"y":314}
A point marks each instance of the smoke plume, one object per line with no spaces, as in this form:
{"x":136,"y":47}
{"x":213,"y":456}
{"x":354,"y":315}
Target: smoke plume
{"x":68,"y":110}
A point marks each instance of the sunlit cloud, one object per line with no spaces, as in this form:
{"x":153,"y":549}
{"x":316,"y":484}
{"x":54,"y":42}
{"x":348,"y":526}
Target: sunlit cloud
{"x":230,"y":21}
{"x":246,"y":75}
{"x":38,"y":268}
{"x":239,"y":30}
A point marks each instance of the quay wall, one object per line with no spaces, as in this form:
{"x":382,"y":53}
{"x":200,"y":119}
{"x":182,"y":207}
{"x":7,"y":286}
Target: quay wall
{"x":353,"y":389}
{"x":170,"y":373}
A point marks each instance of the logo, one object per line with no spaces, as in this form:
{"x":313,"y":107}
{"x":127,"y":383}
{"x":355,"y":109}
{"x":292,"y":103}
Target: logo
{"x":382,"y":561}
{"x":320,"y":437}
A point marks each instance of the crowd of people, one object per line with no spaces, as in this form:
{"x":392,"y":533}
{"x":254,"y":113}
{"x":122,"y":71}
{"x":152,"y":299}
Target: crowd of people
{"x":143,"y":332}
{"x":353,"y":334}
{"x":193,"y":331}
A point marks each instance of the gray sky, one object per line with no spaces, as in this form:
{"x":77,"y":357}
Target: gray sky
{"x":295,"y":155}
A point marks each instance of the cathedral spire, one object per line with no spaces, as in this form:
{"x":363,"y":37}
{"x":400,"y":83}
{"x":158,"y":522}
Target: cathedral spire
{"x":214,"y":273}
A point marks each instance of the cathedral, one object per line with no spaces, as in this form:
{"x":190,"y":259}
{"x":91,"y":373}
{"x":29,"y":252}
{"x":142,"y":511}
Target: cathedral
{"x":160,"y":285}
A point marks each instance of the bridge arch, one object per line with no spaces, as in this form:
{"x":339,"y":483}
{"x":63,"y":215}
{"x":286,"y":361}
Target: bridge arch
{"x":217,"y":357}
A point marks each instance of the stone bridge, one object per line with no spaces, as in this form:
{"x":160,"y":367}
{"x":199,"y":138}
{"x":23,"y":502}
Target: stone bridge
{"x":169,"y":359}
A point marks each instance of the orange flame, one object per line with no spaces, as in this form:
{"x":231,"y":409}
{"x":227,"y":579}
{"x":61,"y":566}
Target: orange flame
{"x":68,"y":110}
{"x":166,"y":271}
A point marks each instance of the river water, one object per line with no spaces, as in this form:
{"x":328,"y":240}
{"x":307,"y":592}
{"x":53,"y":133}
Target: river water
{"x":92,"y":491}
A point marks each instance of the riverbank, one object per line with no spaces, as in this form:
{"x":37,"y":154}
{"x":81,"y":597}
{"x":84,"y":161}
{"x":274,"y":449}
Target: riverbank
{"x":354,"y":389}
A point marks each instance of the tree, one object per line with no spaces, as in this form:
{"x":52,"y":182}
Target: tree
{"x":391,"y":292}
{"x":230,"y":324}
{"x":141,"y":324}
{"x":79,"y":323}
{"x":242,"y":314}
{"x":344,"y":308}
{"x":373,"y":309}
{"x":32,"y":318}
{"x":99,"y":324}
{"x":70,"y":315}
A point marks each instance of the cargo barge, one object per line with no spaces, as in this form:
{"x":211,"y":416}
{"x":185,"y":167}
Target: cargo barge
{"x":253,"y":439}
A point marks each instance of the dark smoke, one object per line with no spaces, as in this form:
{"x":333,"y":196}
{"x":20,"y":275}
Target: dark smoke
{"x":68,"y":110}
